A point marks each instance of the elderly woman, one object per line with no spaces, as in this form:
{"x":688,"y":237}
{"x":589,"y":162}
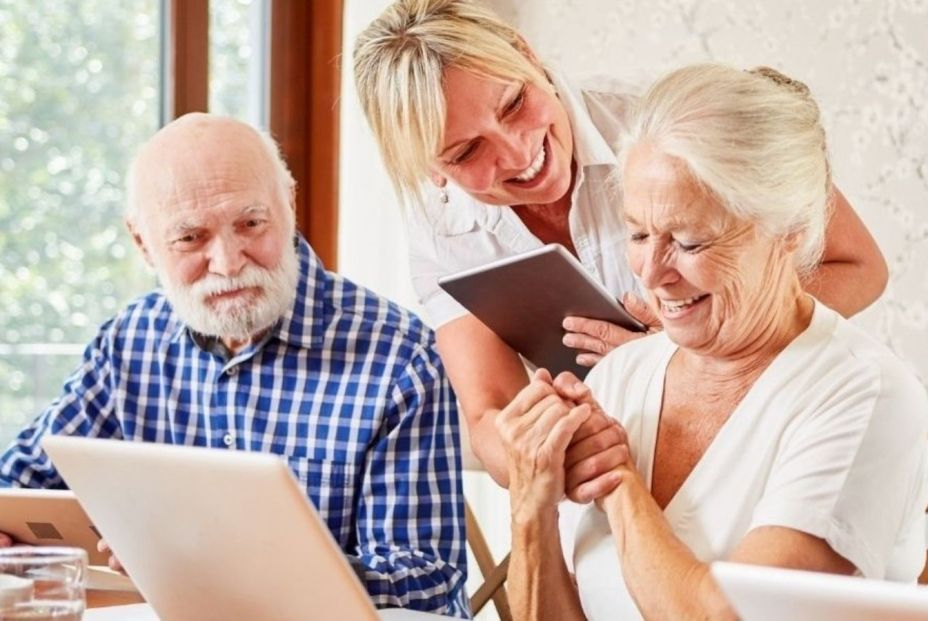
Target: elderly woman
{"x":495,"y":155}
{"x":762,"y":426}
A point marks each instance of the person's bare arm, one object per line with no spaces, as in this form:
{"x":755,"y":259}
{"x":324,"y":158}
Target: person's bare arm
{"x":486,"y":375}
{"x":853,"y":272}
{"x":669,"y":582}
{"x":535,"y":430}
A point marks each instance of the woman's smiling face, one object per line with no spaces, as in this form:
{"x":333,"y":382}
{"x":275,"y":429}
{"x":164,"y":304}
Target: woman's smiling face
{"x":505,"y":142}
{"x":716,"y":281}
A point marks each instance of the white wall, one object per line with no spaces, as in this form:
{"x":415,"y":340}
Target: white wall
{"x":866,"y":62}
{"x":371,"y":240}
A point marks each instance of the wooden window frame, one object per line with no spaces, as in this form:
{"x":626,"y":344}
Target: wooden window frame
{"x":306,"y":40}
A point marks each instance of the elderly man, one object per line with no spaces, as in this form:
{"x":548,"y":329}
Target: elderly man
{"x":251,"y":345}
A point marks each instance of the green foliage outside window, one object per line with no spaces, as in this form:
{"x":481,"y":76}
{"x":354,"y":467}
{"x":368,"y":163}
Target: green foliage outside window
{"x":79,"y":91}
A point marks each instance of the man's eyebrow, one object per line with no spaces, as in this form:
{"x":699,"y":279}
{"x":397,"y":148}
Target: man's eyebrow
{"x":184,"y":226}
{"x":255,"y":210}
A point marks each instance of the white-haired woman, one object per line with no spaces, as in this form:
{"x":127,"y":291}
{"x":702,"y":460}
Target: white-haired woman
{"x":762,"y":426}
{"x":495,"y":154}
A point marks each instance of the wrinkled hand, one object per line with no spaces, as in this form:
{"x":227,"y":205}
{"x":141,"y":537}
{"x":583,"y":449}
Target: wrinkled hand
{"x":112,"y":562}
{"x":598,"y":447}
{"x":535,"y":429}
{"x":595,"y":338}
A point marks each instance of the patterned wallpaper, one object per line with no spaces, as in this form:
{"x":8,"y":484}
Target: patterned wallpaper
{"x":866,"y":62}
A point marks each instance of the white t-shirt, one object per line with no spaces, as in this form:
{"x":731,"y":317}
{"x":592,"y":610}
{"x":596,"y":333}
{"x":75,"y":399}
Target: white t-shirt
{"x":464,"y":233}
{"x":830,"y":440}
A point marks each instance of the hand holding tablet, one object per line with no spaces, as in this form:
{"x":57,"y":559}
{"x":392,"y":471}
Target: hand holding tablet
{"x":525,"y":298}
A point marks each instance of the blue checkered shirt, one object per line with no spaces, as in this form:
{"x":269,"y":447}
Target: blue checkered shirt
{"x":348,"y":388}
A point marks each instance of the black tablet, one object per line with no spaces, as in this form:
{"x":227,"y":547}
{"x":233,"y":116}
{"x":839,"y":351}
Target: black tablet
{"x":525,"y":297}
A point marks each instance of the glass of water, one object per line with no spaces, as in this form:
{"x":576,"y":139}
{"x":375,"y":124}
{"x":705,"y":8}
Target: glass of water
{"x":42,"y":583}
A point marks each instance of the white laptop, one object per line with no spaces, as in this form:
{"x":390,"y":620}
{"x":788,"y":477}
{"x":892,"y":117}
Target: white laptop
{"x":772,"y":594}
{"x":214,"y":534}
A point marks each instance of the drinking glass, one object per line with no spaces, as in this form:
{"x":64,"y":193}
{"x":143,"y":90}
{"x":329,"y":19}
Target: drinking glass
{"x":42,"y":583}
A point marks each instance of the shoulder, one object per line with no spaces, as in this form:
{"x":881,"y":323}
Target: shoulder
{"x":149,"y":316}
{"x":896,"y":388}
{"x":851,"y":369}
{"x":361,"y":313}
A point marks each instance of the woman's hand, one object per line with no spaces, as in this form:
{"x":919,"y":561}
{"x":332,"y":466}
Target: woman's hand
{"x":595,"y":338}
{"x":536,"y":429}
{"x":598,"y":447}
{"x":5,"y":540}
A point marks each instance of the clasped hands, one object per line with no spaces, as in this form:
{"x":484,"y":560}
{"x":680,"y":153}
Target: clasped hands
{"x":559,"y":441}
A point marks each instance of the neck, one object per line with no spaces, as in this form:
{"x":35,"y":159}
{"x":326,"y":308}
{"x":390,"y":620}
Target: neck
{"x":236,"y":345}
{"x":550,"y":222}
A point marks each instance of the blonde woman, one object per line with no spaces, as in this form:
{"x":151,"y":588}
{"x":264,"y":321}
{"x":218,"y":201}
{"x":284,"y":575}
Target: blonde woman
{"x":495,"y":154}
{"x":762,"y":426}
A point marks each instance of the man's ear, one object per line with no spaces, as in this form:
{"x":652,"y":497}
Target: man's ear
{"x":139,"y":242}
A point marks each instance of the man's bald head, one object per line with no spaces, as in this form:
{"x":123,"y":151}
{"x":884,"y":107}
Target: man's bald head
{"x":192,"y":149}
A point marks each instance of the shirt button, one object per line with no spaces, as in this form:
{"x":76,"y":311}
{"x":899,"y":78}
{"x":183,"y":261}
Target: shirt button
{"x":231,"y":371}
{"x":228,"y":439}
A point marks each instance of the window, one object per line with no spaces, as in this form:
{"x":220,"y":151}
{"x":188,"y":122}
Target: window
{"x":238,"y":74}
{"x":79,"y":90}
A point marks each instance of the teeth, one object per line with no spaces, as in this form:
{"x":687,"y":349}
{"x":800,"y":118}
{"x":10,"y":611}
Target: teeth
{"x":535,"y":167}
{"x":676,"y":305}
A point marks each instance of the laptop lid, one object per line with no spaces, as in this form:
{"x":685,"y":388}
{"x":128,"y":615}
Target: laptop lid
{"x":211,"y":534}
{"x":771,"y":594}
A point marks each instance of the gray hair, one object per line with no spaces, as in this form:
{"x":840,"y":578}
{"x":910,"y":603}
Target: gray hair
{"x":753,"y":139}
{"x":268,"y":145}
{"x":399,"y":62}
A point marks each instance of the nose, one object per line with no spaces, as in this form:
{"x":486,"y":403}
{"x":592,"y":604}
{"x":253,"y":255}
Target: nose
{"x":513,"y":151}
{"x":657,"y":268}
{"x":226,"y":256}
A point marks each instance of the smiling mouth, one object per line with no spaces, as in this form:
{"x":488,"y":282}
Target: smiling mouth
{"x":676,"y":306}
{"x":537,"y":165}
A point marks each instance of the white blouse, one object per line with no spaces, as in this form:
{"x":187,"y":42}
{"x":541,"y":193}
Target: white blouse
{"x":830,"y":440}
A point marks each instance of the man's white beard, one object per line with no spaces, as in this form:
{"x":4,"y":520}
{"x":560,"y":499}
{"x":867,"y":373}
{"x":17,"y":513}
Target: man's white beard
{"x":239,"y":318}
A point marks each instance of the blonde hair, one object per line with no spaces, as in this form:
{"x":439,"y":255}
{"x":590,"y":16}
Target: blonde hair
{"x":753,"y":139}
{"x":399,"y":61}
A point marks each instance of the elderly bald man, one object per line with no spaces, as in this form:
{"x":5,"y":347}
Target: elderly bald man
{"x":250,"y":344}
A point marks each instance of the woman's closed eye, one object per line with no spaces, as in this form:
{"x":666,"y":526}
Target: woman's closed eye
{"x":464,"y":154}
{"x":516,"y":104}
{"x":689,"y":247}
